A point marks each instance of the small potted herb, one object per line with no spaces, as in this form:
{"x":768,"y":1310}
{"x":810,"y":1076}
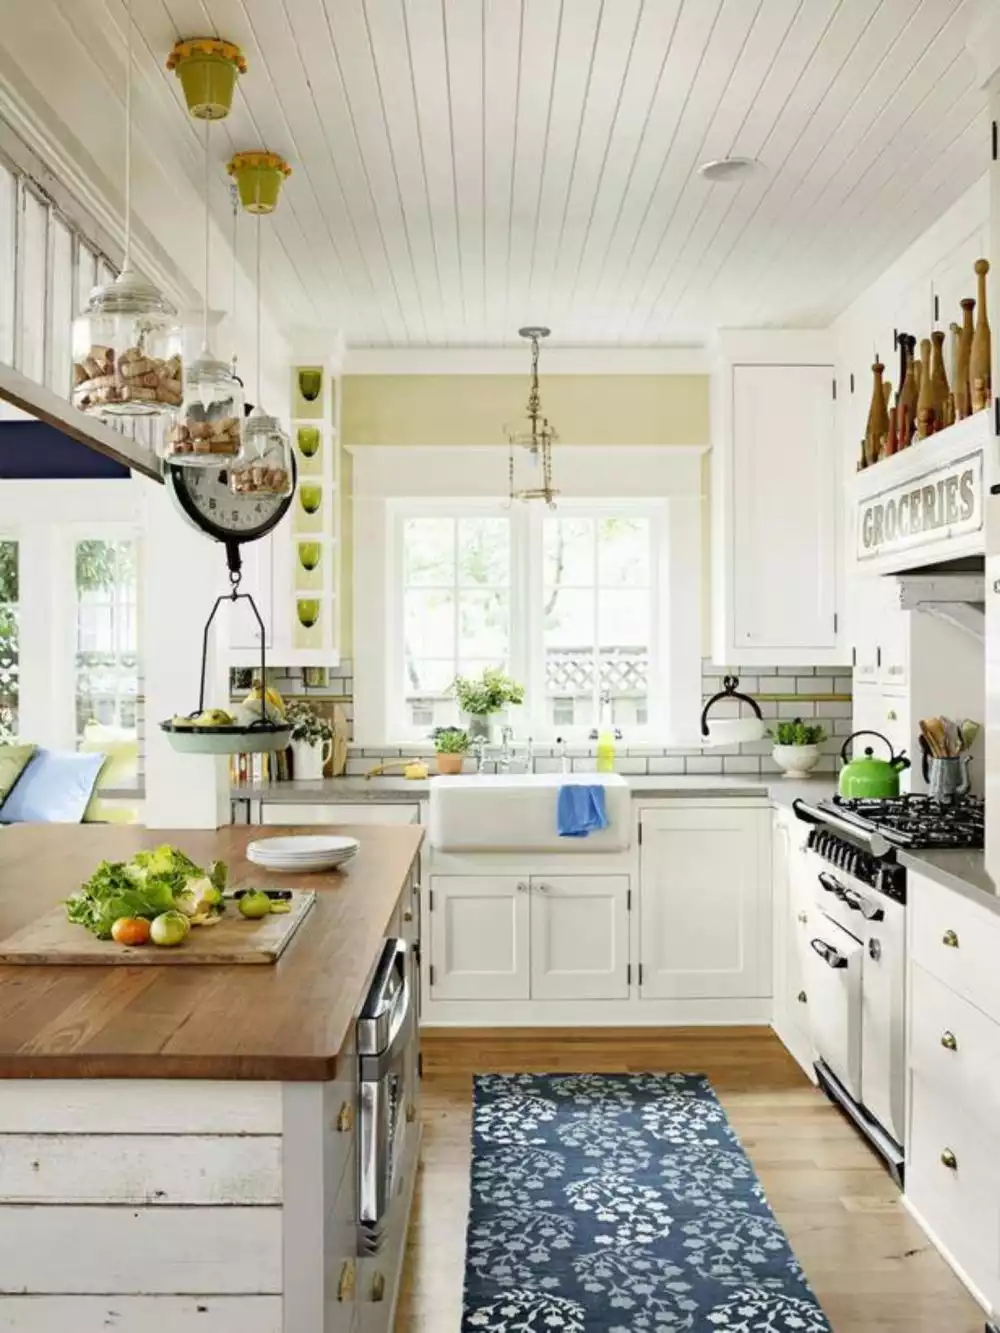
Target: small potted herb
{"x":480,"y":697}
{"x":796,"y":746}
{"x":450,"y":743}
{"x":312,"y":741}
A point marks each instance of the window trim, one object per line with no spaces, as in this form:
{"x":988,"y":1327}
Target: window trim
{"x":426,"y":475}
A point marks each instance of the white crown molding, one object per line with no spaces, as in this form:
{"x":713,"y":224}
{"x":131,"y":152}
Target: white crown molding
{"x":514,"y":361}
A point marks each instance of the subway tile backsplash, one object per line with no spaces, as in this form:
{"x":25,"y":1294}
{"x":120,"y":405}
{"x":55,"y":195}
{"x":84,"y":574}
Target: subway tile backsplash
{"x":746,"y":759}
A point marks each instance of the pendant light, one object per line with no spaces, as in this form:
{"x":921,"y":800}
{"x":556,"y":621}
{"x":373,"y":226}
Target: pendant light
{"x":266,"y":465}
{"x":209,"y":431}
{"x":128,"y":341}
{"x":539,"y":438}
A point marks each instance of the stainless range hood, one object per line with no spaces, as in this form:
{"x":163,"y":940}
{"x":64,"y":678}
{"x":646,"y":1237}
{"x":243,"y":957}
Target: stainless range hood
{"x":46,"y":406}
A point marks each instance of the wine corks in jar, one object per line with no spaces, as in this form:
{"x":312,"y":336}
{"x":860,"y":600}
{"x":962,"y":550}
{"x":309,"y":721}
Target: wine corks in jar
{"x":99,"y":380}
{"x":220,"y":438}
{"x":260,"y":478}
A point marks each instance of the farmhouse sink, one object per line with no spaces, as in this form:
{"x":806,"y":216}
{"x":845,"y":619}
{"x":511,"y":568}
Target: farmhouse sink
{"x":516,"y":812}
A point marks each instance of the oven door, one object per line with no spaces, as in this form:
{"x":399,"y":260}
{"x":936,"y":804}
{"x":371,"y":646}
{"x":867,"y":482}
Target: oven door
{"x":386,"y":1032}
{"x":834,"y":962}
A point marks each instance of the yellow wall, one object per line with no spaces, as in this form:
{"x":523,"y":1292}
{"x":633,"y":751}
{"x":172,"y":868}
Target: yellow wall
{"x":473,"y":409}
{"x":601,"y":410}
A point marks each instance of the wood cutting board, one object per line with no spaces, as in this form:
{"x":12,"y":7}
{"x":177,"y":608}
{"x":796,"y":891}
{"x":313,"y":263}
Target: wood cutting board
{"x":235,"y":940}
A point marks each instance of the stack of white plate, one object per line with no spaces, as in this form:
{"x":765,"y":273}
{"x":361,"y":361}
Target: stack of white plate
{"x":302,"y":853}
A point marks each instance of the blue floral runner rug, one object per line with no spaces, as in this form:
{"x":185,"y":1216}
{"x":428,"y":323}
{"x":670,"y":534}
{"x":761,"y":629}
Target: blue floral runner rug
{"x":621,"y":1203}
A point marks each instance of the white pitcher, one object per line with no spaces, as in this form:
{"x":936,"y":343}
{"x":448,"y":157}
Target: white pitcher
{"x":309,"y":760}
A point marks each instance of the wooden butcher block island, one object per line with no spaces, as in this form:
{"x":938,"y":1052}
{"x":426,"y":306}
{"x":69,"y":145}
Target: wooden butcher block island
{"x":179,"y":1145}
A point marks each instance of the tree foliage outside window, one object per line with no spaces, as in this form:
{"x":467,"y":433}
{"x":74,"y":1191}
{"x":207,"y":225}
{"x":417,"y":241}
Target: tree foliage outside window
{"x":9,"y":665}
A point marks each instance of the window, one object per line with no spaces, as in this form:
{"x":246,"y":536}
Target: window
{"x":8,"y":640}
{"x":456,"y":604}
{"x":564,"y":602}
{"x":597,"y":609}
{"x":107,"y":638}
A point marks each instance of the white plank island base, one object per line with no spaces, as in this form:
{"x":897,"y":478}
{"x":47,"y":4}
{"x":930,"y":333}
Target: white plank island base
{"x":203,"y":1200}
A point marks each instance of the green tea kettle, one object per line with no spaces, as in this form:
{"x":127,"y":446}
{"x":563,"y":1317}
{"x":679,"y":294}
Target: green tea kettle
{"x":870,"y":778}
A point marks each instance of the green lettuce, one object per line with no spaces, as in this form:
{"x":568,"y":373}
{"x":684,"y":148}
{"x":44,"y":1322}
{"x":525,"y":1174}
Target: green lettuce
{"x":146,"y":885}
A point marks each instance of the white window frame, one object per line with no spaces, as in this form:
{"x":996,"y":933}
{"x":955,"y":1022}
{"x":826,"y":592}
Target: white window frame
{"x":388,"y":480}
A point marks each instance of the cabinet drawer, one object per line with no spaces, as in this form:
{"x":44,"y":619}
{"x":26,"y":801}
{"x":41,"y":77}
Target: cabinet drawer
{"x":953,"y":1181}
{"x":954,"y":1045}
{"x":956,"y":941}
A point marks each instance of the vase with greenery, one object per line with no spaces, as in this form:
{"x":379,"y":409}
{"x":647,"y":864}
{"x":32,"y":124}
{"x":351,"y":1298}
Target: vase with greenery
{"x":312,"y":741}
{"x":796,"y":746}
{"x":481,"y":697}
{"x":450,"y":744}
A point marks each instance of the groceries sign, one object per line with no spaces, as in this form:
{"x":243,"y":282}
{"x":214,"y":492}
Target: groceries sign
{"x":944,"y":503}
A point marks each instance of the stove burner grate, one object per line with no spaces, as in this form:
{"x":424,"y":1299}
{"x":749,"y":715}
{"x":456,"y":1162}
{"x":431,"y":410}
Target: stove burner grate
{"x":919,"y":820}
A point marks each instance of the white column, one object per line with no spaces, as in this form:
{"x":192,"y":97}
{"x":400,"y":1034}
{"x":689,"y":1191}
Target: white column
{"x":183,"y":572}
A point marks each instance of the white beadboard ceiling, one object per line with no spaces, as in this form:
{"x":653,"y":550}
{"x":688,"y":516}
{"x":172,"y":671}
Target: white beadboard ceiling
{"x":462,"y":167}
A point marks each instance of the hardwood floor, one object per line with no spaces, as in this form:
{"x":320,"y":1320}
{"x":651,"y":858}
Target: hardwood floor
{"x":871,"y":1266}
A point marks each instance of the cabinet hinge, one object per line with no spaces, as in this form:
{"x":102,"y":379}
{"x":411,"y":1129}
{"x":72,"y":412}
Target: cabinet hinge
{"x":430,"y":900}
{"x":640,"y":832}
{"x":416,"y":952}
{"x":640,"y":974}
{"x":878,"y":657}
{"x":834,"y":386}
{"x":852,"y":381}
{"x":937,"y":307}
{"x":433,"y":974}
{"x":836,"y":622}
{"x":854,"y":657}
{"x":628,"y":900}
{"x":996,"y":141}
{"x":996,"y":416}
{"x":420,"y":1064}
{"x":895,"y":340}
{"x":628,"y":974}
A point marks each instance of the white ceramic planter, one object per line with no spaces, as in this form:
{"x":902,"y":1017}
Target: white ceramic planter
{"x":796,"y":761}
{"x":308,"y":759}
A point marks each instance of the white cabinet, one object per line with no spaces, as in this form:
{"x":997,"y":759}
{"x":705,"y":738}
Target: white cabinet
{"x":791,"y":907}
{"x":479,"y":937}
{"x":775,"y":492}
{"x":705,"y":899}
{"x":579,"y":937}
{"x":538,"y":937}
{"x":258,"y":581}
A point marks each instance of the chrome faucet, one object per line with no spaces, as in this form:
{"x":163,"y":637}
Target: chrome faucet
{"x":506,"y":755}
{"x":562,"y":754}
{"x":605,"y":700}
{"x":478,"y":747}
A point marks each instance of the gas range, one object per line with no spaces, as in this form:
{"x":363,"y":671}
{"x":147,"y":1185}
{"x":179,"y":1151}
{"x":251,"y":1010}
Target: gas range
{"x":916,"y":820}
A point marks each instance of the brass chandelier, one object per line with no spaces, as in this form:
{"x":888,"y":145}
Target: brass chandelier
{"x":539,"y":438}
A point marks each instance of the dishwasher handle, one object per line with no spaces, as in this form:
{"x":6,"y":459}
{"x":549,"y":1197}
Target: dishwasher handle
{"x":387,"y":1004}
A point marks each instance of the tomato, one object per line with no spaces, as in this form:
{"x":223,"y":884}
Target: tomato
{"x":130,"y":930}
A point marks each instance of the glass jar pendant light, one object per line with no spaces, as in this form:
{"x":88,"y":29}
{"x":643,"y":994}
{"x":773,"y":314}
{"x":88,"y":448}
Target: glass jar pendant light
{"x":128,"y":341}
{"x":266,"y":465}
{"x":538,"y":439}
{"x":209,"y":429}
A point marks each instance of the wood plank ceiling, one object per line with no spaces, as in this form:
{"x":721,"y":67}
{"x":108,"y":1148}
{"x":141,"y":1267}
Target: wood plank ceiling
{"x":464,"y":166}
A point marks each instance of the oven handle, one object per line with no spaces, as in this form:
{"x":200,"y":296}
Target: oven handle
{"x":831,"y":956}
{"x":383,"y":1018}
{"x":874,"y":842}
{"x":833,"y":885}
{"x":869,"y":910}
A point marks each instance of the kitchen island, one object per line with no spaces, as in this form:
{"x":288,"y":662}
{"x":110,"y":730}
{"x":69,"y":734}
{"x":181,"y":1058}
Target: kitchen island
{"x":178,"y":1144}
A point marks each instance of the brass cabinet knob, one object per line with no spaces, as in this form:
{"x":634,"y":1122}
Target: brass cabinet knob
{"x":348,"y":1280}
{"x":411,"y":1113}
{"x":407,"y":916}
{"x":891,"y":716}
{"x":378,"y":1287}
{"x":345,"y":1118}
{"x":949,"y":939}
{"x":803,"y":917}
{"x":949,"y":1159}
{"x":801,"y":997}
{"x":948,"y":1041}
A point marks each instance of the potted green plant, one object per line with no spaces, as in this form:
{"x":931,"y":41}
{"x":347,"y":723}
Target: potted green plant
{"x":480,"y":697}
{"x":450,"y":744}
{"x":796,"y":746}
{"x":312,"y":741}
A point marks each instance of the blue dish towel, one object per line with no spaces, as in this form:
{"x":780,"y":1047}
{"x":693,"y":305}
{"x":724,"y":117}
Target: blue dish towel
{"x":580,"y":810}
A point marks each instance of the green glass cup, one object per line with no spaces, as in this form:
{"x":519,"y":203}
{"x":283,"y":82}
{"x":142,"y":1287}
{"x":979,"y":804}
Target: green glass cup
{"x":310,"y":554}
{"x":310,"y":497}
{"x":308,"y":441}
{"x":310,"y":383}
{"x":307,"y":610}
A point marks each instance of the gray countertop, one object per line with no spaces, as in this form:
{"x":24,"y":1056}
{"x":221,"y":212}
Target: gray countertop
{"x":392,"y":791}
{"x":959,"y":868}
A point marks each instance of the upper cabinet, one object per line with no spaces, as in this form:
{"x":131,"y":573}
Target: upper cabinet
{"x":775,"y":495}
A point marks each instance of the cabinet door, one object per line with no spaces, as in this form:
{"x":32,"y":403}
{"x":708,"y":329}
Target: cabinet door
{"x":785,"y":490}
{"x":705,"y":900}
{"x":579,"y":937}
{"x":479,"y":946}
{"x":866,"y":629}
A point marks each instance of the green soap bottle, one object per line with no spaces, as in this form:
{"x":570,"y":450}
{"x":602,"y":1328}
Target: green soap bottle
{"x":605,"y":738}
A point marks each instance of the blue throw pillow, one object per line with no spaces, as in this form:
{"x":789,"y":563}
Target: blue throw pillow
{"x":54,"y":789}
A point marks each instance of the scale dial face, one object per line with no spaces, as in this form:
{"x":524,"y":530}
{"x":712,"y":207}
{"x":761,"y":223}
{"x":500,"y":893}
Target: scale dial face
{"x":205,"y":499}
